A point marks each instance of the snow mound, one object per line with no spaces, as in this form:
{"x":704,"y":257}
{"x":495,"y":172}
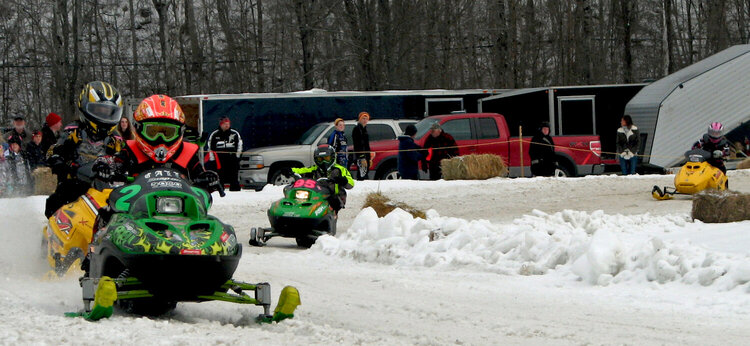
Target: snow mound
{"x":597,"y":248}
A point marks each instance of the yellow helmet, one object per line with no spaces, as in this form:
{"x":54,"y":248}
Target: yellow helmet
{"x":101,"y":107}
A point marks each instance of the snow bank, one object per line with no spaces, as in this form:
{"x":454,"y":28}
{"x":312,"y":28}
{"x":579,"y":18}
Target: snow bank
{"x":597,"y":248}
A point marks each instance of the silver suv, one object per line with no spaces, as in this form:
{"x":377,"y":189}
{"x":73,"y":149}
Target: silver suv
{"x":261,"y":166}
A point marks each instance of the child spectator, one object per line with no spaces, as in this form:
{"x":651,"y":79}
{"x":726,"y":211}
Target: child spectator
{"x":34,"y":151}
{"x":17,"y":171}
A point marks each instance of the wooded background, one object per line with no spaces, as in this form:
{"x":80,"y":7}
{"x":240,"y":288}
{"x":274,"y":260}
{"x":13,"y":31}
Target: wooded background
{"x":50,"y":48}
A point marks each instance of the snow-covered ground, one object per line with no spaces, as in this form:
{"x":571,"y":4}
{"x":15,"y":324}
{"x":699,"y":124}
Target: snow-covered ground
{"x":507,"y":261}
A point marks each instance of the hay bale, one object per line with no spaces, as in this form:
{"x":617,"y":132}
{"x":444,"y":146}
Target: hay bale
{"x":745,"y":164}
{"x":474,"y":167}
{"x":714,"y":206}
{"x":383,"y":205}
{"x":44,"y":181}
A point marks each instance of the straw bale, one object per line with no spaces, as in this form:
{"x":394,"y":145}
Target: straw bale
{"x":474,"y":167}
{"x":44,"y":181}
{"x":745,"y":164}
{"x":714,"y":206}
{"x":384,"y":205}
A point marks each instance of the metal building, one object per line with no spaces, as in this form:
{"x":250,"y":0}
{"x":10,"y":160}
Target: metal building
{"x":674,"y":112}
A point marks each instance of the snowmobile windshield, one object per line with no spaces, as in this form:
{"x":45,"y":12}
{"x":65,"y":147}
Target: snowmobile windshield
{"x":423,"y":127}
{"x":697,"y":155}
{"x":311,"y":135}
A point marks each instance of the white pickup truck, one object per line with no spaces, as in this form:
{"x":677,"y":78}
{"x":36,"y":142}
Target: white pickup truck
{"x":260,"y":166}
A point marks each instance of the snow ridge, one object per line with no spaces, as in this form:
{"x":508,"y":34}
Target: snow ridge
{"x":597,"y":248}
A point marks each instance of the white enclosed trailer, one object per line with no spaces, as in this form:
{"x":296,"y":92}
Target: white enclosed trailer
{"x":675,"y":111}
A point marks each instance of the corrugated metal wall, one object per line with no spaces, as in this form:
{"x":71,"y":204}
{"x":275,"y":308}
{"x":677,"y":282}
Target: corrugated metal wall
{"x":722,"y":94}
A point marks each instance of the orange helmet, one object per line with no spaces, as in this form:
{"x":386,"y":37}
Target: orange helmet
{"x":159,"y":125}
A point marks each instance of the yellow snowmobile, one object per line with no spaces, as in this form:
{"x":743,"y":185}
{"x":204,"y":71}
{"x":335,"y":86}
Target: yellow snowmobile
{"x":694,"y":176}
{"x":66,"y":238}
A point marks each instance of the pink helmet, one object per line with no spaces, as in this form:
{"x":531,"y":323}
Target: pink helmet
{"x":715,"y":131}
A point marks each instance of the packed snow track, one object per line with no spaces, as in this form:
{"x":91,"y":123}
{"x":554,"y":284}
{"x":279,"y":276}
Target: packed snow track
{"x":590,"y":260}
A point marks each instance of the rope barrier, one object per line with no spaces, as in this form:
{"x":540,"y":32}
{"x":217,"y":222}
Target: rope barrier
{"x":511,"y":141}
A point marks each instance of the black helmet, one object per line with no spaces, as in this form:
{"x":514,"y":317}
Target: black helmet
{"x":101,"y":108}
{"x":324,"y":157}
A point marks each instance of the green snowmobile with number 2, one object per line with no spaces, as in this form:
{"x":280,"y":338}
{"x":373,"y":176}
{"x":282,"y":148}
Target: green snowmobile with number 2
{"x":155,"y":245}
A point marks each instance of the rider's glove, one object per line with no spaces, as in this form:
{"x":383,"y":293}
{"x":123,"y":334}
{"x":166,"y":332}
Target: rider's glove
{"x":208,"y":180}
{"x":103,"y":170}
{"x":718,"y":154}
{"x":57,"y":165}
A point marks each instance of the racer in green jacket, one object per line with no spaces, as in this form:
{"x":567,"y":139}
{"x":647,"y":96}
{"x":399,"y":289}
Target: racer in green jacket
{"x":339,"y":178}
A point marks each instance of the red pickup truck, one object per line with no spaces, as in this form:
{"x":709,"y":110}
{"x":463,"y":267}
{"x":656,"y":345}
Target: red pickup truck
{"x":487,"y":133}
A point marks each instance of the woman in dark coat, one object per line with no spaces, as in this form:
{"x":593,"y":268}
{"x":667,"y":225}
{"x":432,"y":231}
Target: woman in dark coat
{"x":362,"y":146}
{"x":542,"y":152}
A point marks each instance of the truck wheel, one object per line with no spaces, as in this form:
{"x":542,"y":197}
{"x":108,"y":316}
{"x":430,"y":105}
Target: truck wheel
{"x":278,"y":178}
{"x":389,"y":173}
{"x":562,"y":171}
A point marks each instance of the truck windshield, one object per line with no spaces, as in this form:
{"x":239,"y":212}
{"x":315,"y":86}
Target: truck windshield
{"x":424,"y":126}
{"x":311,"y":135}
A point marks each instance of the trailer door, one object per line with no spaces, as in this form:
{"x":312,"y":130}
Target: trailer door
{"x":439,"y":106}
{"x":576,"y":115}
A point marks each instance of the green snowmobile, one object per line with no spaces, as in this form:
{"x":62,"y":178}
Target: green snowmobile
{"x":155,"y":245}
{"x":303,"y":214}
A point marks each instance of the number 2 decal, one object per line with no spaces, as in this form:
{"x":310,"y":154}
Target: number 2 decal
{"x":123,"y":203}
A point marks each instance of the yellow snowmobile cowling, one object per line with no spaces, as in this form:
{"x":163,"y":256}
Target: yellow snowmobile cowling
{"x":694,"y":176}
{"x":68,"y":233}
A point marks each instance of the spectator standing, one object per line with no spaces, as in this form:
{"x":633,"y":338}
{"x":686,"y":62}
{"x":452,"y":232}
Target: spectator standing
{"x":18,"y":172}
{"x":337,"y":141}
{"x":542,"y":152}
{"x":227,"y":143}
{"x":51,"y":131}
{"x":19,"y":131}
{"x":628,"y":142}
{"x":125,"y":130}
{"x":409,"y":154}
{"x":441,"y":145}
{"x":362,"y":145}
{"x":34,"y":151}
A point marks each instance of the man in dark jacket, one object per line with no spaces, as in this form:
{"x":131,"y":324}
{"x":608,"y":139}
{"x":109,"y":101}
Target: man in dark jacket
{"x":18,"y":131}
{"x":441,"y":146}
{"x":51,"y":131}
{"x":409,"y":154}
{"x":362,"y":146}
{"x":227,"y":142}
{"x":542,"y":152}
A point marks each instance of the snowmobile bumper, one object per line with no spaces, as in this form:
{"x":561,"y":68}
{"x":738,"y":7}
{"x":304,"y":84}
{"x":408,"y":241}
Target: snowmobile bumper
{"x":293,"y":227}
{"x":104,"y":291}
{"x":160,"y":274}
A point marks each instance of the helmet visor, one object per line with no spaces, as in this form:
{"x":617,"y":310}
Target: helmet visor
{"x":168,"y":132}
{"x":713,"y":133}
{"x":325,"y":159}
{"x":106,"y":113}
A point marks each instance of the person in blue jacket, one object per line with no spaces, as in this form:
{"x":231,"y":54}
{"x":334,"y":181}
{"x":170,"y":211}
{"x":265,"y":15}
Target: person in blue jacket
{"x":409,"y":154}
{"x":337,"y":141}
